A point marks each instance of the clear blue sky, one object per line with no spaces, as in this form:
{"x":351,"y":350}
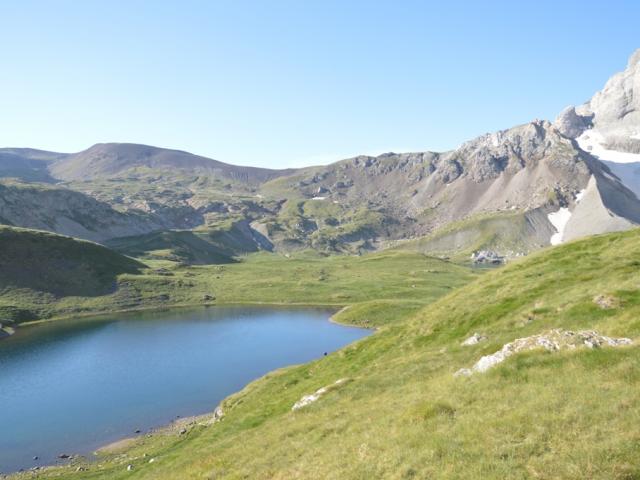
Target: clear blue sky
{"x":288,"y":83}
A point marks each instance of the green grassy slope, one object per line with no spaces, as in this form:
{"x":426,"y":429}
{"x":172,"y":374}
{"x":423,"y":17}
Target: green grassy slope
{"x":39,"y":268}
{"x":47,"y":276}
{"x":206,"y":245}
{"x":508,"y":232}
{"x":573,"y":414}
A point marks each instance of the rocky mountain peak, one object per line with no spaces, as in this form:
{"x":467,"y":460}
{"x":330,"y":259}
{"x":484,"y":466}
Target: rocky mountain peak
{"x":634,"y":60}
{"x":614,"y":111}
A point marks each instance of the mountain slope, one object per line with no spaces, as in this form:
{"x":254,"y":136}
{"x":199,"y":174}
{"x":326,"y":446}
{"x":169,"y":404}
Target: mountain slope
{"x":59,"y":265}
{"x":195,"y":247}
{"x":523,"y":170}
{"x":25,"y":164}
{"x":117,"y":159}
{"x":65,"y":211}
{"x":38,"y":267}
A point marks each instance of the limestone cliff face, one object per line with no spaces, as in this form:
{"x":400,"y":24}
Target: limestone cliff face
{"x":613,"y":112}
{"x":616,"y":108}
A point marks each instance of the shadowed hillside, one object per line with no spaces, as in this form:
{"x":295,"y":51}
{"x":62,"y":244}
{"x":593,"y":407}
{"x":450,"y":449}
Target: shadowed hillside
{"x":196,"y":247}
{"x":61,"y":266}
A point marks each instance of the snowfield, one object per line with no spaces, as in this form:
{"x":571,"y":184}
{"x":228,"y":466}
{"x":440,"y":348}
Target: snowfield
{"x":560,"y":218}
{"x":591,"y":141}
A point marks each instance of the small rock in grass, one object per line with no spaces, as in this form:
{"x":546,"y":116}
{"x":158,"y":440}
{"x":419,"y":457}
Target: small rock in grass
{"x":606,"y":301}
{"x":473,"y":340}
{"x":463,"y":372}
{"x":218,"y":413}
{"x":129,"y":467}
{"x":309,"y":399}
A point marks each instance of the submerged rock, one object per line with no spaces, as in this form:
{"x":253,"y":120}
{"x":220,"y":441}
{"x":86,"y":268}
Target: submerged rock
{"x":552,"y":341}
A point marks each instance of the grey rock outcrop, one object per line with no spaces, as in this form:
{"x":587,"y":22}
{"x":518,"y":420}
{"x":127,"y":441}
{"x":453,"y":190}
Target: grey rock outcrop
{"x":570,"y":124}
{"x":551,"y":341}
{"x":487,"y":257}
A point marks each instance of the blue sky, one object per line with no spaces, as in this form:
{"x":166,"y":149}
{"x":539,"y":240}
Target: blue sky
{"x":290,"y":83}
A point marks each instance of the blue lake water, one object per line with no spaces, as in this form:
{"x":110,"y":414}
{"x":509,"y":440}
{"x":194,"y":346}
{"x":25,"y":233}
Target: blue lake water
{"x":72,"y":386}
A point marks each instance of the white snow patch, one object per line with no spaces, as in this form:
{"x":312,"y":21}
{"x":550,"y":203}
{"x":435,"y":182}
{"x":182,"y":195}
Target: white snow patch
{"x":636,"y":136}
{"x":591,"y":141}
{"x":580,"y":194}
{"x":319,"y":198}
{"x":559,"y":220}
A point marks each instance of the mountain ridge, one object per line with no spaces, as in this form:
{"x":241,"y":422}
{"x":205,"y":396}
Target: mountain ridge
{"x":557,"y":169}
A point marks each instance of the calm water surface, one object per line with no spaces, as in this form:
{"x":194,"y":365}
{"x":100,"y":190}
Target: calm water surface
{"x":70,"y":387}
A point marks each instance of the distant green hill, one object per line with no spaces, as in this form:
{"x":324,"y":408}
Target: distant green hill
{"x":212,"y":245}
{"x":59,"y":265}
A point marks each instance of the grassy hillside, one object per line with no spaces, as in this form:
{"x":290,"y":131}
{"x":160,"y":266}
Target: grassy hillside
{"x":40,"y":267}
{"x":510,"y":233}
{"x":403,"y":414}
{"x":46,"y":276}
{"x":206,"y":245}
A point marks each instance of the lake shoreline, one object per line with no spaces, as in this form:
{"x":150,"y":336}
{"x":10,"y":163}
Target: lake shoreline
{"x":179,"y":306}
